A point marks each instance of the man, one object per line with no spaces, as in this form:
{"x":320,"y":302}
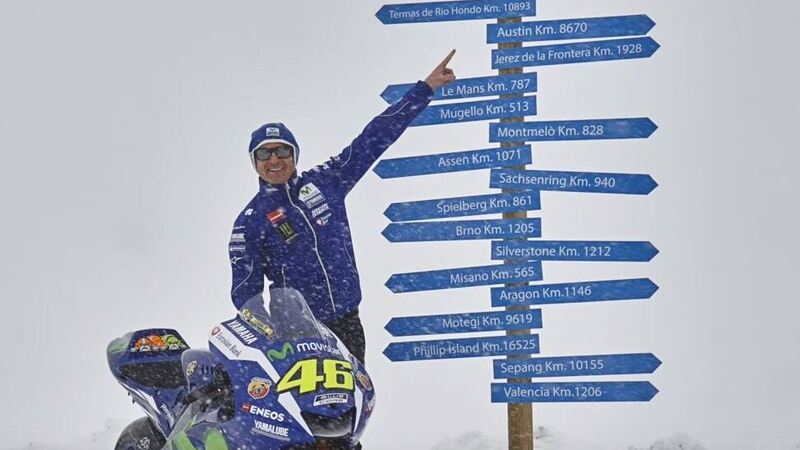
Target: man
{"x":295,"y":230}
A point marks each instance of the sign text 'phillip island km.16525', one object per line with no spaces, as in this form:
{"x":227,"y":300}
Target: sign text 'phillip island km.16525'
{"x":463,"y":348}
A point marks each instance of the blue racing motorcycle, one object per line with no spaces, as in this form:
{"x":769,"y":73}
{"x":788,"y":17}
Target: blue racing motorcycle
{"x":272,"y":378}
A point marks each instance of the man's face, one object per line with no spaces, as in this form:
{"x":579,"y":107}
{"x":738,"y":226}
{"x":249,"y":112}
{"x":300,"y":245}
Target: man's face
{"x":275,"y":170}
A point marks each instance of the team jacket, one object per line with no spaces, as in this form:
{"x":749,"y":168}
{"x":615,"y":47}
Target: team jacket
{"x":297,"y":234}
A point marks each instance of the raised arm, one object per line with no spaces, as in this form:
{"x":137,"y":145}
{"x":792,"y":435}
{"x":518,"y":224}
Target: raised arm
{"x":382,"y":131}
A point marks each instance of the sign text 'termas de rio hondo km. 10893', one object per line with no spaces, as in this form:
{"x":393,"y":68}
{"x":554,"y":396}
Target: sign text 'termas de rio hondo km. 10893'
{"x":516,"y":237}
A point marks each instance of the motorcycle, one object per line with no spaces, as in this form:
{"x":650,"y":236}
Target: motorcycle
{"x":272,"y":378}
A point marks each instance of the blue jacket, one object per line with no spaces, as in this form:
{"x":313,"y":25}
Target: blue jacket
{"x":297,"y":234}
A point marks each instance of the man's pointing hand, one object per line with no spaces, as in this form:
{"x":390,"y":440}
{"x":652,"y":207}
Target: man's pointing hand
{"x":441,"y":74}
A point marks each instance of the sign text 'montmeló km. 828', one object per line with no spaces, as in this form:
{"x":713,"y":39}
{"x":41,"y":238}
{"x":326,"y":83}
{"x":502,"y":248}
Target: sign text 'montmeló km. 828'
{"x":453,"y":162}
{"x":548,"y":180}
{"x":463,"y":206}
{"x":572,"y":130}
{"x":465,"y":277}
{"x":463,"y":348}
{"x":583,"y":52}
{"x":455,"y":10}
{"x":573,"y":250}
{"x":579,"y":292}
{"x":518,"y":83}
{"x":551,"y":30}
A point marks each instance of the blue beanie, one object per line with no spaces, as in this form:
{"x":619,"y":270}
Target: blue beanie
{"x":273,"y":132}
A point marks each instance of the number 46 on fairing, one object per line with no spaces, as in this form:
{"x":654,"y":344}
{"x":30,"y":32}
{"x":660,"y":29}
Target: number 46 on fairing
{"x":304,"y":376}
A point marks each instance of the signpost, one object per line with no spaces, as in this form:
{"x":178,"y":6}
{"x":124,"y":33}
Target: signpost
{"x":465,"y":323}
{"x":462,"y":230}
{"x":462,"y":348}
{"x":454,"y":10}
{"x":522,"y":83}
{"x":552,"y":30}
{"x":465,"y":277}
{"x":453,"y":162}
{"x":572,"y":130}
{"x":517,"y":238}
{"x":573,"y":366}
{"x":573,"y":250}
{"x":580,"y":292}
{"x":547,"y":180}
{"x":584,"y":52}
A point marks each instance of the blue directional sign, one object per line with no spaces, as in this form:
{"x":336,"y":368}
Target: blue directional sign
{"x":463,"y":348}
{"x":521,"y":83}
{"x":572,"y":130}
{"x":465,"y":277}
{"x":580,"y":292}
{"x":455,"y":10}
{"x":465,"y":322}
{"x":571,"y":366}
{"x":463,"y":230}
{"x":474,"y":111}
{"x":552,"y":30}
{"x":546,"y":180}
{"x":545,"y":55}
{"x":454,"y":162}
{"x":628,"y":391}
{"x":574,"y":250}
{"x":463,"y":206}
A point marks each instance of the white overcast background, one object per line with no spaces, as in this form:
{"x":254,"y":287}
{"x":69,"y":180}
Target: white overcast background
{"x":124,"y":127}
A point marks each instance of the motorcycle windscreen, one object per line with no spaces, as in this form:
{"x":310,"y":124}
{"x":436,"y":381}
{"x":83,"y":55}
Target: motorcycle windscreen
{"x":284,"y":315}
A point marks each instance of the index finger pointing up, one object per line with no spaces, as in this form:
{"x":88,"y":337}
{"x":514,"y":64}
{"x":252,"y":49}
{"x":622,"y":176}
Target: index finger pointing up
{"x":447,"y":59}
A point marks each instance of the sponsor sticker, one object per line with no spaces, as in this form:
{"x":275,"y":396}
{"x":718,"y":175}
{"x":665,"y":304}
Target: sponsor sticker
{"x":277,"y":216}
{"x":320,"y":209}
{"x":237,"y":237}
{"x":308,"y":191}
{"x":262,"y":412}
{"x":190,"y":368}
{"x":143,"y":443}
{"x":258,"y":388}
{"x":370,"y":405}
{"x":364,"y":380}
{"x":328,"y":399}
{"x":322,"y":221}
{"x":273,"y":132}
{"x":237,"y":248}
{"x":271,"y":430}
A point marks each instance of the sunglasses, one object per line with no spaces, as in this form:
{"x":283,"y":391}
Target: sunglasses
{"x":263,"y":153}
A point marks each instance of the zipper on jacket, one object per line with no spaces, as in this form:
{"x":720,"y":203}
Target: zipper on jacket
{"x":316,"y":246}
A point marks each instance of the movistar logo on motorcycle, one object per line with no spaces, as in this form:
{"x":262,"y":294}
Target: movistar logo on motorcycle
{"x":317,"y":347}
{"x":247,"y":336}
{"x":287,"y":349}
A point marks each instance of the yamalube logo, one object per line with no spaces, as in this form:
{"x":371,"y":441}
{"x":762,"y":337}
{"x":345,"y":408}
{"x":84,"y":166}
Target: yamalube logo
{"x":273,"y":132}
